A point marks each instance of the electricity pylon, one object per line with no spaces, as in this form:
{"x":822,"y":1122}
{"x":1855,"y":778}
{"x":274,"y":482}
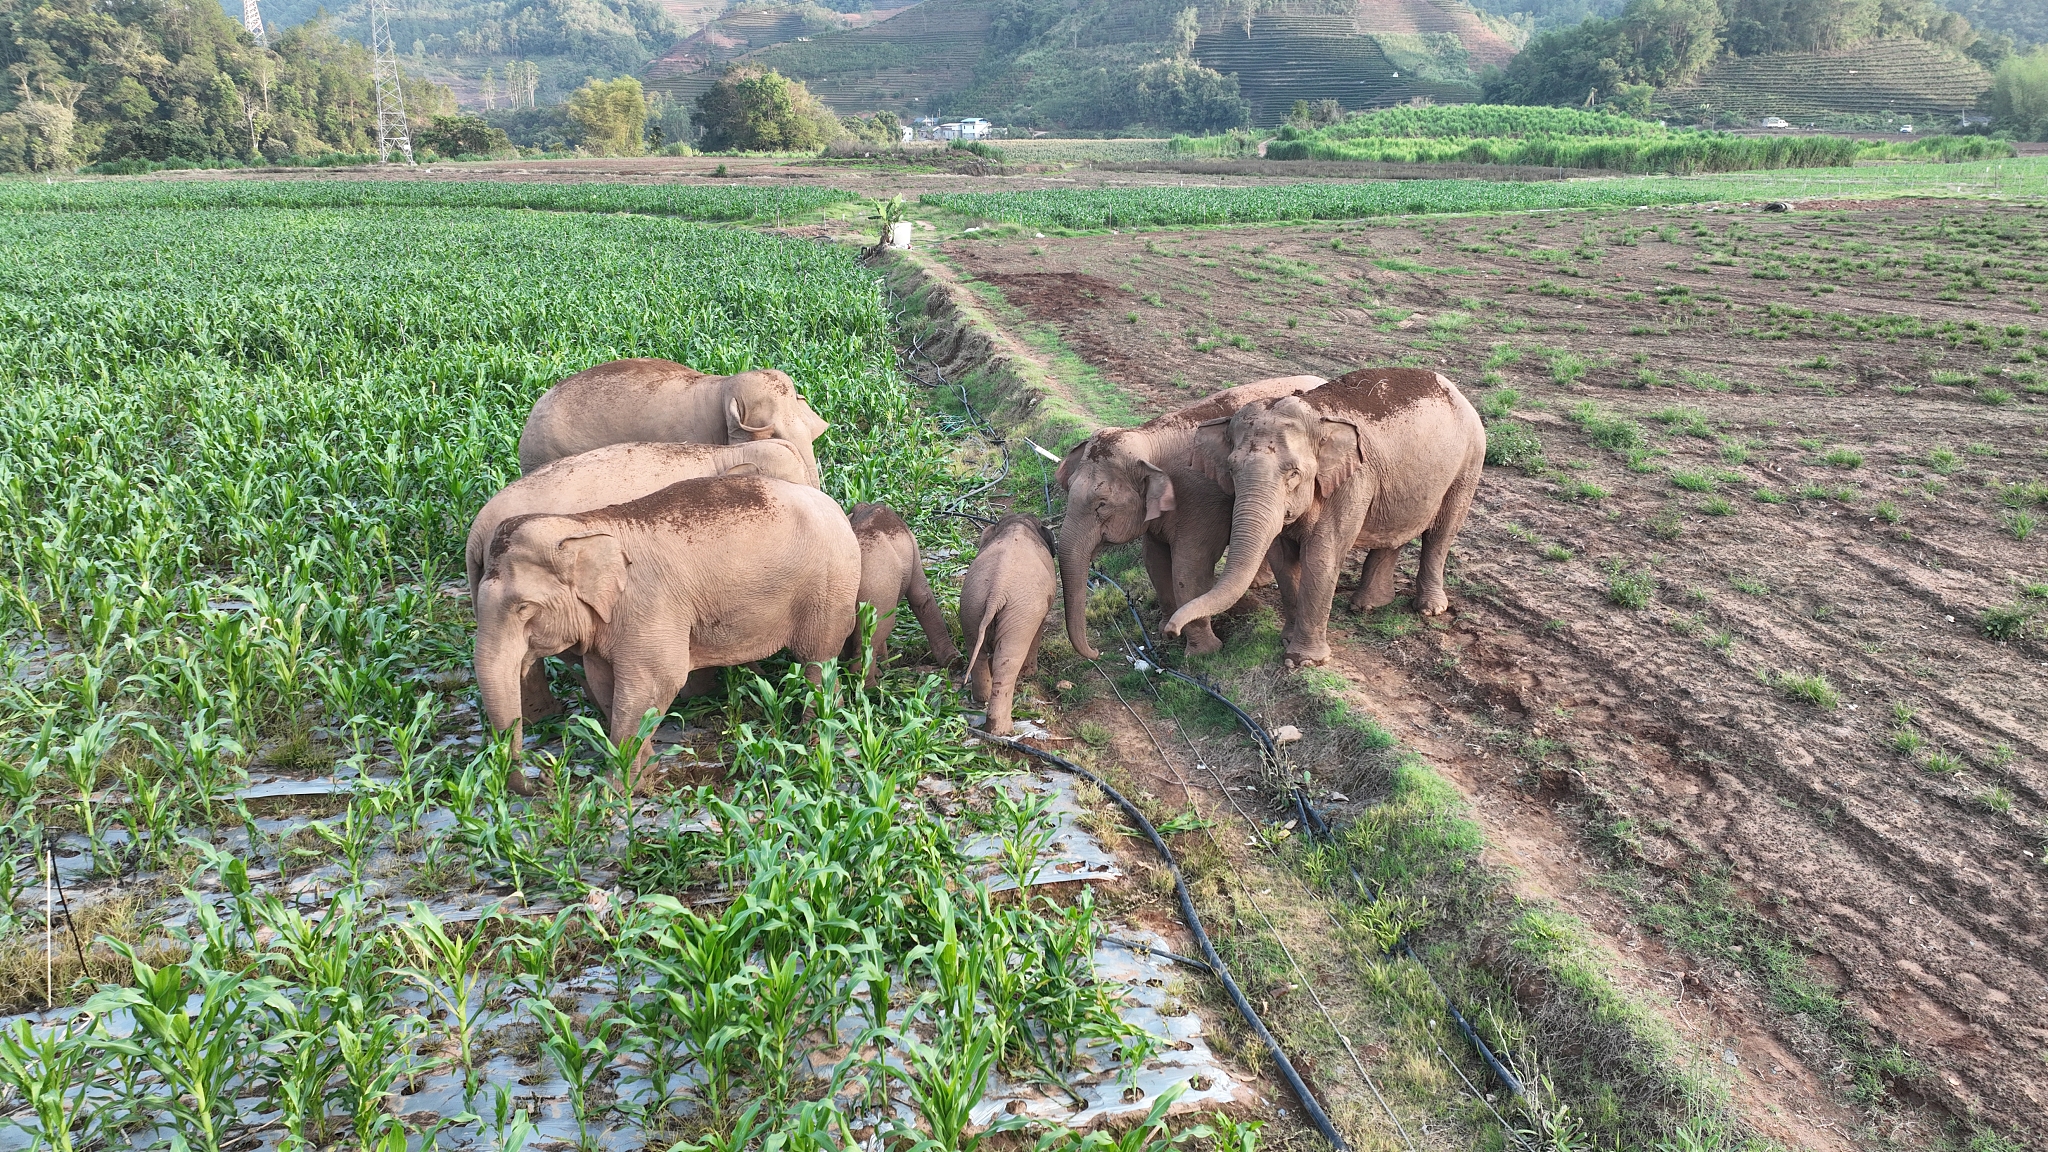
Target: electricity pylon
{"x":253,"y":21}
{"x":392,"y":131}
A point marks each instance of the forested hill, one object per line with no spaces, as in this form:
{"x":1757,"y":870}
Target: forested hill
{"x":1660,"y":44}
{"x":92,"y":80}
{"x":1172,"y":65}
{"x":456,"y":42}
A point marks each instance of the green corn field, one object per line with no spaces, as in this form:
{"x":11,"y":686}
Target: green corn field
{"x":245,"y":430}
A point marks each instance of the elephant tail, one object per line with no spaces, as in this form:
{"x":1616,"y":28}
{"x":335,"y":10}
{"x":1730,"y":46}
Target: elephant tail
{"x":981,"y":629}
{"x":926,"y":607}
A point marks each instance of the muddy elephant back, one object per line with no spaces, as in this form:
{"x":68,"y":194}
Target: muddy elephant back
{"x":1221,"y":405}
{"x":613,"y":403}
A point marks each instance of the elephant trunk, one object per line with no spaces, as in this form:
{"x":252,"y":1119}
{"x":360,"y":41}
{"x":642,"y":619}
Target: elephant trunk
{"x":1255,"y":520}
{"x":500,"y":668}
{"x":1078,"y":541}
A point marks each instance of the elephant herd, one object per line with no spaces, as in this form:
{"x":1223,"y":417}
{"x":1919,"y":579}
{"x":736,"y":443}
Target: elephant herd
{"x":669,"y":523}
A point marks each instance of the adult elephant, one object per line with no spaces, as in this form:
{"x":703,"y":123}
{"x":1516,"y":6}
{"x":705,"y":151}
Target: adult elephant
{"x":1125,"y":482}
{"x":661,"y":400}
{"x":704,"y":573}
{"x":1370,"y":460}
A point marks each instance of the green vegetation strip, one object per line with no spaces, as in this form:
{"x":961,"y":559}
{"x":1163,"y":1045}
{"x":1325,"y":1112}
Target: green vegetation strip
{"x":239,"y":454}
{"x":1087,"y":209}
{"x":690,"y":202}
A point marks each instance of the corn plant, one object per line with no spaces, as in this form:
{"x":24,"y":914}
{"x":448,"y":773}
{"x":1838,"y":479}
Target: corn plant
{"x":51,"y":1070}
{"x":194,"y":1029}
{"x":452,"y":971}
{"x":376,"y":1053}
{"x":579,"y":1058}
{"x":946,"y":1080}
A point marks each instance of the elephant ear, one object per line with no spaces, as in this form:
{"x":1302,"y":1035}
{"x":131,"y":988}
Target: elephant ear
{"x":594,"y":564}
{"x":1064,"y":477}
{"x":1340,"y":449}
{"x":1158,"y":492}
{"x":1211,"y":451}
{"x":736,"y":427}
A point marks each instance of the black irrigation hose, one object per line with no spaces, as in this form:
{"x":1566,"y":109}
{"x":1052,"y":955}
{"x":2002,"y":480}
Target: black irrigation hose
{"x":1144,"y":949}
{"x":1194,"y":922}
{"x":1318,"y":828}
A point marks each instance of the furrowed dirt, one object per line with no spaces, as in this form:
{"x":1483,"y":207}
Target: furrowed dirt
{"x":1749,"y":644}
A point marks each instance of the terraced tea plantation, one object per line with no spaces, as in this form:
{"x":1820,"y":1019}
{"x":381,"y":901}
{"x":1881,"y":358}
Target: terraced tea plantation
{"x":294,"y":905}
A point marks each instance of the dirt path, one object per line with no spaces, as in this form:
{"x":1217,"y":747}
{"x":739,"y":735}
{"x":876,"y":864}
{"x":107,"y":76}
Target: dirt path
{"x":1817,"y":447}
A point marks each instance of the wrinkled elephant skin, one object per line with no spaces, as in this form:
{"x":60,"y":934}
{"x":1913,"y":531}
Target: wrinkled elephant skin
{"x":1125,"y":482}
{"x":1005,"y":598}
{"x":1370,"y":460}
{"x":892,"y":571}
{"x":659,"y":400}
{"x":704,"y":573}
{"x":611,"y":475}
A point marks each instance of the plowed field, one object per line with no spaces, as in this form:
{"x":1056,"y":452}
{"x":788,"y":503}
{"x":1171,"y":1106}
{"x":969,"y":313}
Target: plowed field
{"x":1747,"y":654}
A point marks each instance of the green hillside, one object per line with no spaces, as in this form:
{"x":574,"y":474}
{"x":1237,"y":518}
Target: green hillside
{"x":1112,"y":64}
{"x":2026,"y":21}
{"x":1911,"y":79}
{"x":454,"y":42}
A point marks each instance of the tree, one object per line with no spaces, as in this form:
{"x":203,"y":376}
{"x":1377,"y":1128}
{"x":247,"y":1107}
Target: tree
{"x":1187,"y":28}
{"x":462,"y":136}
{"x":760,"y":110}
{"x":2019,"y":95}
{"x":611,"y":114}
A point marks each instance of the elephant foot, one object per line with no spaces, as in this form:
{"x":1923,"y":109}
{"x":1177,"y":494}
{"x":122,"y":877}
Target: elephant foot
{"x":1307,"y":656}
{"x":517,"y":782}
{"x":1366,"y":599}
{"x":1202,"y":641}
{"x":1433,"y":602}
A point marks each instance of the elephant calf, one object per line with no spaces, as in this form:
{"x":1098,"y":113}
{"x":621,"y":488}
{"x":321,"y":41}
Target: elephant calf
{"x":891,"y":571}
{"x":704,"y":573}
{"x":1005,"y":598}
{"x":646,"y":400}
{"x":606,"y":476}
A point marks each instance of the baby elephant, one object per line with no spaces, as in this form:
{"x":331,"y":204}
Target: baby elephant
{"x":1004,"y":600}
{"x":891,"y":571}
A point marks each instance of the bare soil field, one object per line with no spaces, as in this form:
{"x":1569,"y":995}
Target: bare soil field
{"x":1748,"y":662}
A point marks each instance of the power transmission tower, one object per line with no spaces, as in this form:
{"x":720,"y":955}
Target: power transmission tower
{"x":392,"y":131}
{"x":253,"y":21}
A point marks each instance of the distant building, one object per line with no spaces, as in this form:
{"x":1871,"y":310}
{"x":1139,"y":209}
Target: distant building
{"x":972,"y":128}
{"x":1972,"y":120}
{"x":1773,"y":122}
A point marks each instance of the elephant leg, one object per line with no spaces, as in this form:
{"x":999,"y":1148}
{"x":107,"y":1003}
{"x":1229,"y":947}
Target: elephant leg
{"x":635,"y":689}
{"x":1285,"y":557}
{"x":1376,"y":583}
{"x":1159,"y":566}
{"x":1430,"y":597}
{"x":598,"y":680}
{"x":978,"y":676}
{"x":1322,"y":554}
{"x":1194,"y":572}
{"x":884,"y":624}
{"x":537,"y":701}
{"x":1031,"y":653}
{"x":1004,"y":665}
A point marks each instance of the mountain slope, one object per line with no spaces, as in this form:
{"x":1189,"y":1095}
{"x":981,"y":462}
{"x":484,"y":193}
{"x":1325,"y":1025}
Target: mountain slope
{"x":1101,"y":64}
